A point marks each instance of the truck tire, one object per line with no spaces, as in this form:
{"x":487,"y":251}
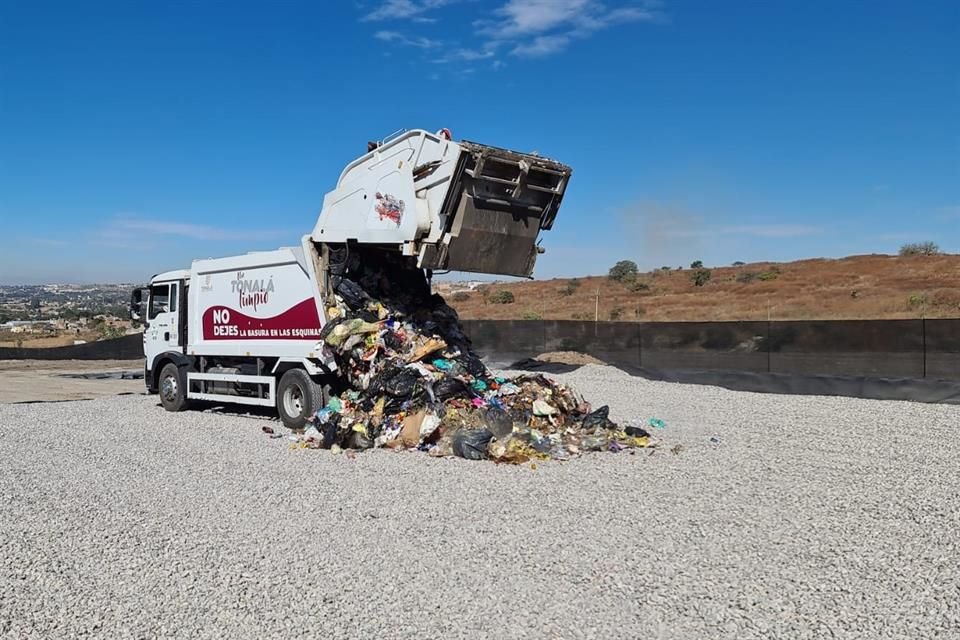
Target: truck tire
{"x":298,"y":398}
{"x":172,"y":386}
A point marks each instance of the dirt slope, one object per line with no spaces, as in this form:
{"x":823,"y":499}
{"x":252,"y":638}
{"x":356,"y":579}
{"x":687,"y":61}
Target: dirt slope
{"x":858,"y":287}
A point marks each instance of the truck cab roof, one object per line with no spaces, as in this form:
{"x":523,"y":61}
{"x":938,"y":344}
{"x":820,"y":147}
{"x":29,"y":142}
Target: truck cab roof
{"x":166,"y":276}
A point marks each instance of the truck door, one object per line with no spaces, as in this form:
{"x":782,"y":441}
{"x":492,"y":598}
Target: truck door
{"x":163,"y":328}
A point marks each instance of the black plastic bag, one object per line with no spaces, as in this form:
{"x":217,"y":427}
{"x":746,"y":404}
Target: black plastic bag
{"x":474,"y":366}
{"x":498,"y":422}
{"x":327,"y":328}
{"x":448,"y":387}
{"x":353,"y":295}
{"x":392,"y":341}
{"x":329,"y":432}
{"x":472,"y":443}
{"x":599,"y":419}
{"x":402,"y":384}
{"x":379,"y":381}
{"x":637,"y":432}
{"x":393,"y":406}
{"x":359,"y":441}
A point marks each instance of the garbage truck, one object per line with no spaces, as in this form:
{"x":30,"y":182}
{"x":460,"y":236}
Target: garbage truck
{"x":247,"y":329}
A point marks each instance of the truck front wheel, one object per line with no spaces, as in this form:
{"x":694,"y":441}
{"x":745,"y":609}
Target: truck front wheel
{"x":298,"y":398}
{"x":173,"y":387}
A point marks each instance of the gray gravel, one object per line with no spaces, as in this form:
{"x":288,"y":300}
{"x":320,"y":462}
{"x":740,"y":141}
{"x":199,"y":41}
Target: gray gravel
{"x":806,"y":517}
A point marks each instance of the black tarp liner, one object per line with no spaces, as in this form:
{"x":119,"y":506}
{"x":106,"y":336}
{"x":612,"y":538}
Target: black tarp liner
{"x":125,"y":348}
{"x":613,"y":342}
{"x":870,"y":348}
{"x":942,"y":349}
{"x":739,"y":346}
{"x":909,"y":389}
{"x":887,"y":348}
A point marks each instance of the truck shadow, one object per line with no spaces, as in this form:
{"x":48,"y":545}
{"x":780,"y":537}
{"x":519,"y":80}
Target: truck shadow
{"x":265,"y":414}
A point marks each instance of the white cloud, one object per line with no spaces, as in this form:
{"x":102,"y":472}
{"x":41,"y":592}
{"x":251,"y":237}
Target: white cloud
{"x":525,"y":17}
{"x":127,"y":227}
{"x":770,"y":230}
{"x":401,"y":9}
{"x":472,"y":54}
{"x":525,"y":28}
{"x":544,"y":27}
{"x":399,"y":38}
{"x":541,"y":46}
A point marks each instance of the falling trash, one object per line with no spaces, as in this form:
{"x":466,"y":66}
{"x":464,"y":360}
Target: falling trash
{"x":413,"y":381}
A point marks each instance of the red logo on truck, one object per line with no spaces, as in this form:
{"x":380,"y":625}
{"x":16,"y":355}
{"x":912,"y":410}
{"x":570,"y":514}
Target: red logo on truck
{"x":389,"y":208}
{"x":299,"y":322}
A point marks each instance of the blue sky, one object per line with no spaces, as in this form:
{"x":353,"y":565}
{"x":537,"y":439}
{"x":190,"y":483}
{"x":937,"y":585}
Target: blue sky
{"x":136,"y":136}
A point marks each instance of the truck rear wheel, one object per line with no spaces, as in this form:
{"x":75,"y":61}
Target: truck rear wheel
{"x":173,"y":387}
{"x":298,"y":398}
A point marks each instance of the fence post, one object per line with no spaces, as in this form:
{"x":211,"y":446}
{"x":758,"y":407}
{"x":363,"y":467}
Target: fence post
{"x":923,"y":339}
{"x":767,"y":345}
{"x":640,"y":344}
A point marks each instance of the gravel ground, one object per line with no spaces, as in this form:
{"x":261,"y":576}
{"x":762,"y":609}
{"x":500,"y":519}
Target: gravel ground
{"x":807,"y":517}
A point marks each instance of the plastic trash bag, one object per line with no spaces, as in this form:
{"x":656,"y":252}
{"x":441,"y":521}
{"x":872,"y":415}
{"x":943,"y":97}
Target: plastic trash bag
{"x":353,"y":295}
{"x":449,"y":388}
{"x":541,"y":408}
{"x":330,"y":326}
{"x":599,"y":419}
{"x":474,"y":366}
{"x":498,"y":422}
{"x":472,"y":443}
{"x":401,"y":384}
{"x":637,"y":432}
{"x":594,"y":443}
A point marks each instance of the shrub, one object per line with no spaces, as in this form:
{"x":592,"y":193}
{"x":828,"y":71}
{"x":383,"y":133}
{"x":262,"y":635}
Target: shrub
{"x":460,"y":296}
{"x":638,"y":286}
{"x":623,"y":269}
{"x":570,"y":288}
{"x":700,"y":277}
{"x":664,"y":268}
{"x":616,"y":313}
{"x":581,"y":315}
{"x":917,"y":300}
{"x":920,"y":249}
{"x":747,"y":277}
{"x":769,"y":275}
{"x":501,"y":297}
{"x":696,"y":264}
{"x":531,"y":315}
{"x":739,"y":263}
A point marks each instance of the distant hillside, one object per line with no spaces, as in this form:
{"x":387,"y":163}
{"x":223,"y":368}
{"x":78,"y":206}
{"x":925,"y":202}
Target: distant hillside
{"x":858,"y":287}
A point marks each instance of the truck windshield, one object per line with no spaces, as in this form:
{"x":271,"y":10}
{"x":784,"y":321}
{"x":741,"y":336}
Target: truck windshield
{"x":159,"y":300}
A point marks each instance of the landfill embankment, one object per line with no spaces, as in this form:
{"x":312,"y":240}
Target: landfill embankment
{"x":757,"y":516}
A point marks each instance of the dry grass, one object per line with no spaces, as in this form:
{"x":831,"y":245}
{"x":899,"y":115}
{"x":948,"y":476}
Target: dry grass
{"x":858,"y":287}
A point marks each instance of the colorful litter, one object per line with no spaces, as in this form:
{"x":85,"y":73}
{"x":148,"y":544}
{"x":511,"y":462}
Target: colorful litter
{"x":413,"y":382}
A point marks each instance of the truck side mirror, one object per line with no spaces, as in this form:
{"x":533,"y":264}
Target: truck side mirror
{"x":136,"y":304}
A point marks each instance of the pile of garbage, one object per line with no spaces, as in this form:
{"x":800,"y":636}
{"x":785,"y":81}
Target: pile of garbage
{"x":412,"y":380}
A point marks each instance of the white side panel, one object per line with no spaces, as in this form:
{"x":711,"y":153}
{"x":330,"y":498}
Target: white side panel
{"x":374,"y":201}
{"x":261,"y":304}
